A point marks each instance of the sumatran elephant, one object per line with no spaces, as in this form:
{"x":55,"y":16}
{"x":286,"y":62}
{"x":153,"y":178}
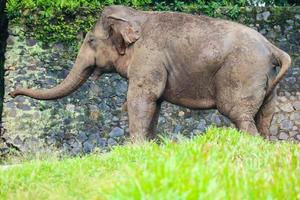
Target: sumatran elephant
{"x":189,"y":60}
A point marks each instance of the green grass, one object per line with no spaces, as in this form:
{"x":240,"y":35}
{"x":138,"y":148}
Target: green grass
{"x":222,"y":164}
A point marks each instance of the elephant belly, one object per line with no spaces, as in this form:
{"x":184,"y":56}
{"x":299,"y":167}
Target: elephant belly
{"x":190,"y":95}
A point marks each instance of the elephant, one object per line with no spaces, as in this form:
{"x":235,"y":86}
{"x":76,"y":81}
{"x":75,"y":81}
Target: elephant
{"x":188,"y":60}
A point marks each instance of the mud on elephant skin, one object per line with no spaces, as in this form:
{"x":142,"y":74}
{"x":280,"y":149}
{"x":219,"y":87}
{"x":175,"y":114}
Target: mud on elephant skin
{"x":193,"y":61}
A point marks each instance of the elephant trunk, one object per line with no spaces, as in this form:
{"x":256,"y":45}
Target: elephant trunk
{"x":77,"y":76}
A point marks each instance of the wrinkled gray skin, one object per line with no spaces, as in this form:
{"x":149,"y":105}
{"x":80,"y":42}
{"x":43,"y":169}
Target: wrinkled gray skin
{"x":193,"y":61}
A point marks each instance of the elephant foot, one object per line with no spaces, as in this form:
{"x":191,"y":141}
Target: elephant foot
{"x":265,"y":115}
{"x":138,"y":139}
{"x":248,"y":126}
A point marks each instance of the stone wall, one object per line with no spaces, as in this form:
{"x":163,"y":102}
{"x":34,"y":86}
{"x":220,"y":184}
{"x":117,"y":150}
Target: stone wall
{"x":92,"y":117}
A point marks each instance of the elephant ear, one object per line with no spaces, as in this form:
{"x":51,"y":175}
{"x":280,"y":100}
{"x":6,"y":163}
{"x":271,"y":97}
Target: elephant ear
{"x":124,"y":27}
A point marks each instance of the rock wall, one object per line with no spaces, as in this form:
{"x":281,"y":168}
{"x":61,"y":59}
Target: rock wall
{"x":92,"y":117}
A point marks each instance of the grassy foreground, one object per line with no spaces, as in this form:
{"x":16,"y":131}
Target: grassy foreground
{"x":222,"y":164}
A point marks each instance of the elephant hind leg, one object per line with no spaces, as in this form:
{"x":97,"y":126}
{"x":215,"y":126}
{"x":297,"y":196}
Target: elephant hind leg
{"x":265,"y":115}
{"x":240,"y":100}
{"x":242,"y":118}
{"x":247,"y":126}
{"x":241,"y":89}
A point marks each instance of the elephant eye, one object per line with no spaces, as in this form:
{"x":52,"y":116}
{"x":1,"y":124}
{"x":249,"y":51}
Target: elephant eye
{"x":92,"y":41}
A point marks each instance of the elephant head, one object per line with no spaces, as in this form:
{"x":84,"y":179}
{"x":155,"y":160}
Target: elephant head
{"x":101,"y":51}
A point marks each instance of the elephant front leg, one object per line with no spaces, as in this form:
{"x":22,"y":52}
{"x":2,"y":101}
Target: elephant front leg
{"x":147,"y":82}
{"x":143,"y":106}
{"x":142,"y":112}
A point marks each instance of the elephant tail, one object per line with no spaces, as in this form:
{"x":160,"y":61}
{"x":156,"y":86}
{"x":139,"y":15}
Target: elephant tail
{"x":283,"y":60}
